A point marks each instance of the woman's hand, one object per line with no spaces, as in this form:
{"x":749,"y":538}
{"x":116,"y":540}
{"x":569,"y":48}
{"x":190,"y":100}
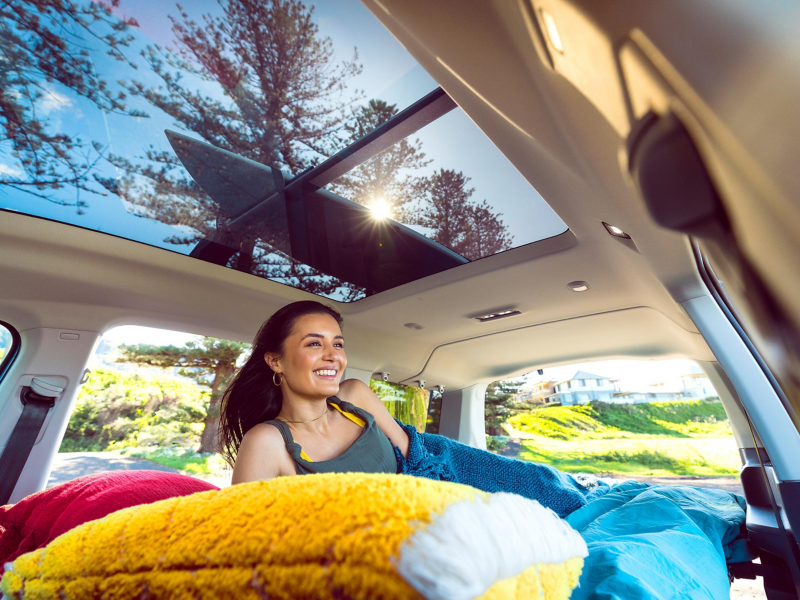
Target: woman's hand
{"x":357,"y":392}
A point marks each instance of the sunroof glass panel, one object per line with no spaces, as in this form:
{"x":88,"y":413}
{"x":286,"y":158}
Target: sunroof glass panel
{"x":85,"y":144}
{"x":451,"y":184}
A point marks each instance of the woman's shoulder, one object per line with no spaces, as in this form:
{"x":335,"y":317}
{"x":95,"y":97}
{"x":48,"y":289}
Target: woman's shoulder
{"x":265,"y":436}
{"x":262,"y":455}
{"x":357,"y":393}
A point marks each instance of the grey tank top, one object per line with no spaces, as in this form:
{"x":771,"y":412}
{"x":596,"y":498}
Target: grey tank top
{"x":372,"y":452}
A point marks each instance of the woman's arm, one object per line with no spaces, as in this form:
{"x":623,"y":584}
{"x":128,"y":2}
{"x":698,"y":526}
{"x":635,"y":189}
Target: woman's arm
{"x":262,"y":455}
{"x":358,"y":393}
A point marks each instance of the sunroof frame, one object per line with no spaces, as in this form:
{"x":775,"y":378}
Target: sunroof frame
{"x":407,"y":122}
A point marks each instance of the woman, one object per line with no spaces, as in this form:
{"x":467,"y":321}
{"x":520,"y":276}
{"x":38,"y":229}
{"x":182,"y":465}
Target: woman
{"x":286,"y":412}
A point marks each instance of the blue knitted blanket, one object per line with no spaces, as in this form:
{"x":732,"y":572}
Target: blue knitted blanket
{"x":438,"y":457}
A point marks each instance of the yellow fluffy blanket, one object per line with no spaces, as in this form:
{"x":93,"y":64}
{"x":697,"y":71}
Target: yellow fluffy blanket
{"x":354,"y":536}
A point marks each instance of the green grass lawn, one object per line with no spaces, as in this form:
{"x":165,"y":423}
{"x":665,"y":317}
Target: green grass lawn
{"x":662,"y":439}
{"x":706,"y":457}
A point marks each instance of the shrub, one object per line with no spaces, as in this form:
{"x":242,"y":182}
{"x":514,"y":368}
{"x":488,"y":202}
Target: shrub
{"x":118,"y":409}
{"x":496,"y":442}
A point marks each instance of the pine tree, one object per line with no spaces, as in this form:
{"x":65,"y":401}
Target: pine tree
{"x":488,"y":235}
{"x":44,"y":44}
{"x":498,"y":404}
{"x":209,"y":361}
{"x":259,"y":81}
{"x":388,"y":177}
{"x":447,"y":209}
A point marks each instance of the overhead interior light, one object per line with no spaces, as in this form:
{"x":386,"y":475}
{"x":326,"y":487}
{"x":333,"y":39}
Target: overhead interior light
{"x":501,"y":314}
{"x":414,"y":326}
{"x":616,"y":231}
{"x":552,"y":31}
{"x":578,"y":286}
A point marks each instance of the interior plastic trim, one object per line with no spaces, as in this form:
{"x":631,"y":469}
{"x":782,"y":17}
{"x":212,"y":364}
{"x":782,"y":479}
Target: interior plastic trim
{"x":16,"y":343}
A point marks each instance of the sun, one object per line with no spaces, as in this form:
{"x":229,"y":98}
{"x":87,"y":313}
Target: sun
{"x":380,"y":209}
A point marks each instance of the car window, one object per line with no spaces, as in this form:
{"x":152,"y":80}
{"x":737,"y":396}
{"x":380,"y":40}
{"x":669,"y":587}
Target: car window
{"x":619,"y":419}
{"x":9,"y":347}
{"x":405,"y":403}
{"x":152,"y":397}
{"x":434,"y":413}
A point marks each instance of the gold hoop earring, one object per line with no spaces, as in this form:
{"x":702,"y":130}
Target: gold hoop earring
{"x":280,"y":379}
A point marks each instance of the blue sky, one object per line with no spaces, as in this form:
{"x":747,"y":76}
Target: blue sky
{"x":389,"y":73}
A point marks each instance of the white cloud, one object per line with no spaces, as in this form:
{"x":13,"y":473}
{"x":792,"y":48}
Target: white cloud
{"x":52,"y":101}
{"x":9,"y":170}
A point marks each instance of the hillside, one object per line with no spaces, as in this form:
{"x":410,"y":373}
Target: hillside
{"x":665,"y":439}
{"x":599,"y":420}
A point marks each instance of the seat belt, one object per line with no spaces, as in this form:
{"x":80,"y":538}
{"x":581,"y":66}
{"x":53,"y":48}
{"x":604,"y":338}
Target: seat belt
{"x":37,"y":400}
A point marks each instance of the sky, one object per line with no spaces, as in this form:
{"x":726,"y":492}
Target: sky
{"x":133,"y":334}
{"x":389,"y":73}
{"x":632,"y":374}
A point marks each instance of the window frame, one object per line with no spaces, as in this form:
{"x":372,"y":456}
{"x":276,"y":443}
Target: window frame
{"x":16,"y":343}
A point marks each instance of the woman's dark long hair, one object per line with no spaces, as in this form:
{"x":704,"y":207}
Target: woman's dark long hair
{"x":252,"y":397}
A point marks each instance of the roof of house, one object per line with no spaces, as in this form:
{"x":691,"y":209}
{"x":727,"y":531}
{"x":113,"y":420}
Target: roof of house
{"x":585,"y":375}
{"x":582,"y":375}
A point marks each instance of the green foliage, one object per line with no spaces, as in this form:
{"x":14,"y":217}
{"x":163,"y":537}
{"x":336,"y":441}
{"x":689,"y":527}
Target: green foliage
{"x":457,"y":220}
{"x":600,"y":420}
{"x":116,"y":409}
{"x":496,"y":442}
{"x":405,"y":403}
{"x":201,"y":356}
{"x":499,"y":404}
{"x":563,"y":423}
{"x":692,"y":417}
{"x":434,"y":413}
{"x":209,"y":361}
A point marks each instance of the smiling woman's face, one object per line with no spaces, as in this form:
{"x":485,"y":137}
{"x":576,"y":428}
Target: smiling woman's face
{"x":313,"y":359}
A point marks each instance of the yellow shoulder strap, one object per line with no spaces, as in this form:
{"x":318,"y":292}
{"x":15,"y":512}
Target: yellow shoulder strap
{"x":357,"y":420}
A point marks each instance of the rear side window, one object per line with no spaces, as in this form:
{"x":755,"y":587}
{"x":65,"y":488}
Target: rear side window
{"x":405,"y":403}
{"x":617,"y":418}
{"x":9,"y":347}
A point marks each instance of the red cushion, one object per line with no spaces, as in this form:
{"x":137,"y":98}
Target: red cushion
{"x":40,"y":518}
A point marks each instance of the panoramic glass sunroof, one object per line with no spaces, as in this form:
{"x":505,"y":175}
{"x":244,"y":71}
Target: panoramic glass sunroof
{"x":451,"y":184}
{"x":285,"y":141}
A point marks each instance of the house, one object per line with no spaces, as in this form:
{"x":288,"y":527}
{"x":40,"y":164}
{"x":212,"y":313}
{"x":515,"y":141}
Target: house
{"x":541,"y":391}
{"x":695,"y":385}
{"x":582,"y":388}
